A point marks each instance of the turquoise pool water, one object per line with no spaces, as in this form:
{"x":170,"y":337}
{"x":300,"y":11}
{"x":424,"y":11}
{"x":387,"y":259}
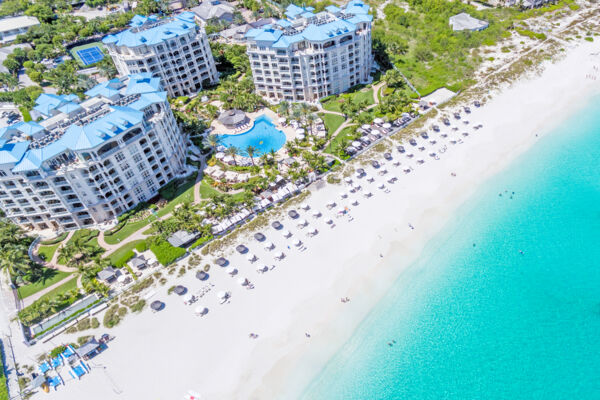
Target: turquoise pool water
{"x":475,"y":318}
{"x":263,"y":135}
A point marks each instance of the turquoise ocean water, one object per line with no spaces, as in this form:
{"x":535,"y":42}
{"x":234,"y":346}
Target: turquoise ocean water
{"x":475,"y":318}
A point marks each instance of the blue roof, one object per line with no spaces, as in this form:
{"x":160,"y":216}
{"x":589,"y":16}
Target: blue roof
{"x":46,"y":102}
{"x":12,"y":152}
{"x":179,"y":25}
{"x":69,"y":107}
{"x":77,"y":137}
{"x":357,"y":10}
{"x":105,"y":89}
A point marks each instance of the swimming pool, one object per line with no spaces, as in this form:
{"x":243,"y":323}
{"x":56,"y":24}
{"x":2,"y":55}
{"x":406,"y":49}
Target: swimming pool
{"x":263,"y":135}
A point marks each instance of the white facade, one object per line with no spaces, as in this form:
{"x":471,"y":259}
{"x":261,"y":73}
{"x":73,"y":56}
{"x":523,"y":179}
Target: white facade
{"x":312,"y":55}
{"x":89,"y":161}
{"x":11,"y":27}
{"x":175,"y":49}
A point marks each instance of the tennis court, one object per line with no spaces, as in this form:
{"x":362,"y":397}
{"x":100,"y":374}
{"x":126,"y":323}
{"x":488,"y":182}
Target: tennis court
{"x":90,"y":55}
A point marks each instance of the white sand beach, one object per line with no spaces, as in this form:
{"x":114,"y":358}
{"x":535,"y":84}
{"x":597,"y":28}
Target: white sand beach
{"x":163,"y":355}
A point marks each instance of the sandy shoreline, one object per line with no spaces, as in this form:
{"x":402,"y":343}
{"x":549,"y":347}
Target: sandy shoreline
{"x":165,"y":354}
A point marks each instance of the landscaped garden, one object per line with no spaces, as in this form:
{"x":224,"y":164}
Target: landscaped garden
{"x":48,"y":277}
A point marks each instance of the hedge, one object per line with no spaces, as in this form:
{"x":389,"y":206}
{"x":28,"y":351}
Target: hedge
{"x":201,"y":241}
{"x":121,"y":261}
{"x":165,"y":253}
{"x":55,"y":240}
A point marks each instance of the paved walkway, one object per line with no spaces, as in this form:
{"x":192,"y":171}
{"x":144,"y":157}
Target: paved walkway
{"x":30,"y":299}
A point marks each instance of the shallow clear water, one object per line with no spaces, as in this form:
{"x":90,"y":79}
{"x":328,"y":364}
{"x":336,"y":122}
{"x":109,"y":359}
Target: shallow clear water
{"x":264,"y":136}
{"x":475,"y":318}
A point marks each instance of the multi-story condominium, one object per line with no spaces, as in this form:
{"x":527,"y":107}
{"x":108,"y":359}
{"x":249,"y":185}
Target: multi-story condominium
{"x":88,"y":161}
{"x":309,"y":56}
{"x":175,"y":49}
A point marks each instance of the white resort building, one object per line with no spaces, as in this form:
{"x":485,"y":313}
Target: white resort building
{"x":88,"y":161}
{"x":175,"y":49}
{"x":309,"y":56}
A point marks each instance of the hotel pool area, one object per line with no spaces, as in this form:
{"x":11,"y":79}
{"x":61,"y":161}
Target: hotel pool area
{"x":263,"y":135}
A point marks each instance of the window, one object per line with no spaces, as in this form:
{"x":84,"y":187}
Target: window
{"x":129,"y":174}
{"x":145,"y":174}
{"x":141,"y":167}
{"x":137,"y":158}
{"x":124,"y":166}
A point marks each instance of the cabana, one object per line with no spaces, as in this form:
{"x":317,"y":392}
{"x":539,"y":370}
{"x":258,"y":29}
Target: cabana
{"x":89,"y":349}
{"x":241,"y":249}
{"x":137,"y":263}
{"x":259,"y":236}
{"x":107,"y":275}
{"x":277,"y":225}
{"x":201,"y":275}
{"x":182,"y":238}
{"x":157,"y":305}
{"x":293,"y":214}
{"x":181,"y":290}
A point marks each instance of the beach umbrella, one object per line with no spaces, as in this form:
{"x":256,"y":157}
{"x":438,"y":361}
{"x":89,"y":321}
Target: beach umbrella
{"x":232,"y":271}
{"x":276,"y":225}
{"x":270,"y":246}
{"x":387,"y":125}
{"x":180,"y":290}
{"x":316,"y":213}
{"x":259,"y":236}
{"x":331,"y":204}
{"x":392,"y":178}
{"x":243,"y":281}
{"x":375,"y":132}
{"x":188,"y":298}
{"x":305,"y":206}
{"x":356,"y":144}
{"x":219,"y":155}
{"x":303,"y":222}
{"x":300,"y":131}
{"x":297,"y":242}
{"x":354,"y":202}
{"x":281,"y":120}
{"x":222,"y":295}
{"x":381,"y":185}
{"x":201,"y":275}
{"x":221,"y":261}
{"x":343,"y":195}
{"x":287,"y":234}
{"x":378,"y":121}
{"x":368,"y":194}
{"x":201,"y":310}
{"x":251,"y":257}
{"x":366,"y":126}
{"x":157,"y":305}
{"x":329,"y":221}
{"x":122,"y":278}
{"x":314,"y":231}
{"x":280,"y":255}
{"x":348,"y":180}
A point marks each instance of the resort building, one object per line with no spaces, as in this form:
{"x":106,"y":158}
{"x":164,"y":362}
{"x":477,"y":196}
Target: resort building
{"x":11,"y":27}
{"x":88,"y":161}
{"x":309,"y":56}
{"x":175,"y":49}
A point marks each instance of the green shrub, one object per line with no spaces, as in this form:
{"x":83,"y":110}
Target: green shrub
{"x":113,"y":316}
{"x":81,"y":340}
{"x":166,"y":253}
{"x":141,"y":246}
{"x":95,"y":323}
{"x":121,"y":261}
{"x":57,"y":350}
{"x":55,"y":240}
{"x":201,"y":241}
{"x":139,"y":306}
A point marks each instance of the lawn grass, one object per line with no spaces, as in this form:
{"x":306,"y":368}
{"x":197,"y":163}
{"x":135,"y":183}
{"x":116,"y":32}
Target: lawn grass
{"x":332,"y":146}
{"x":92,"y":236}
{"x":65,"y":287}
{"x":207,"y":191}
{"x":121,"y":251}
{"x":183,"y":194}
{"x":358,"y":96}
{"x":47,"y":252}
{"x":50,"y":277}
{"x":332,"y":121}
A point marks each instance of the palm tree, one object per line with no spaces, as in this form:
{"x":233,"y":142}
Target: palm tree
{"x":212,"y":141}
{"x":304,"y":109}
{"x":284,"y":108}
{"x":232,"y":151}
{"x":251,"y":151}
{"x":310,"y":120}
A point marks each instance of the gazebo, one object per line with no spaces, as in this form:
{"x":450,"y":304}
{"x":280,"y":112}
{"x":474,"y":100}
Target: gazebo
{"x":232,"y":118}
